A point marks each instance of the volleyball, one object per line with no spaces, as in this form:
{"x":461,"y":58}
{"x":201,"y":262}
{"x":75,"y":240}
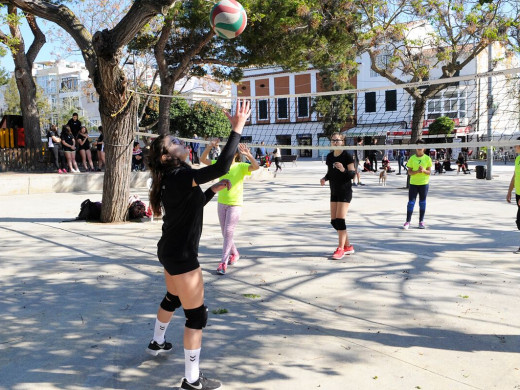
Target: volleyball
{"x":228,"y":19}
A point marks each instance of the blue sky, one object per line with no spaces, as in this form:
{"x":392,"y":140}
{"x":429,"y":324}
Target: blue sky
{"x":45,"y":53}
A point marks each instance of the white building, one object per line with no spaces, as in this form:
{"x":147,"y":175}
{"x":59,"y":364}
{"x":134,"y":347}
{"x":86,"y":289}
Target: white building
{"x":68,"y":87}
{"x":388,"y":113}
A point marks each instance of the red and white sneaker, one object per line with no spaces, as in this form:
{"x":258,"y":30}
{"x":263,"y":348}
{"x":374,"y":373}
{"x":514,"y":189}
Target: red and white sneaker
{"x":233,"y":259}
{"x":349,"y":249}
{"x":221,"y":270}
{"x":340,"y":252}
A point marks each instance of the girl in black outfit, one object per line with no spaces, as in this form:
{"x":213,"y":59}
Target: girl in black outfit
{"x":175,"y":192}
{"x":69,"y":148}
{"x":84,"y":149}
{"x":100,"y":146}
{"x":54,"y":142}
{"x":340,"y":173}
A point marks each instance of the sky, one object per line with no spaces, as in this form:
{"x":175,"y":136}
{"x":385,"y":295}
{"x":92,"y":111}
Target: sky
{"x":46,"y":52}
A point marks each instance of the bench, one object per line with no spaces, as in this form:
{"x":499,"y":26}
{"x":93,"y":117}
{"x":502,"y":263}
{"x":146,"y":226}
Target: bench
{"x":288,"y":158}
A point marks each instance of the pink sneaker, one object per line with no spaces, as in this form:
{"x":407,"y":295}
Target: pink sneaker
{"x":340,"y":252}
{"x":60,"y":171}
{"x":349,"y":249}
{"x":233,"y":259}
{"x":221,"y":270}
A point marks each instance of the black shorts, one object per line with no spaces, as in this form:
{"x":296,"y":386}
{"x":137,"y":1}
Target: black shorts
{"x":343,"y":194}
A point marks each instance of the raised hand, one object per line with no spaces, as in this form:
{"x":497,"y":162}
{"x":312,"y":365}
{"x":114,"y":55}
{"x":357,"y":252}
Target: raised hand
{"x":242,"y":112}
{"x":242,"y":148}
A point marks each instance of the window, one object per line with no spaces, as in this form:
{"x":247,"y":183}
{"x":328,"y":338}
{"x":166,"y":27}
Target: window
{"x":450,"y":103}
{"x":303,"y":107}
{"x":283,"y":109}
{"x":304,"y":140}
{"x":370,"y":102}
{"x":69,"y":84}
{"x":391,"y":100}
{"x":263,"y":112}
{"x":382,"y":61}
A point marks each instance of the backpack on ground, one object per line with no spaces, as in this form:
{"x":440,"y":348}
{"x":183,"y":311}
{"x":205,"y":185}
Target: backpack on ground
{"x":89,"y":211}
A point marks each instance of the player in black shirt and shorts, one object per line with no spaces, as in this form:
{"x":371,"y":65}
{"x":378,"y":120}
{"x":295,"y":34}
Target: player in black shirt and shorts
{"x":176,"y":194}
{"x":340,"y":173}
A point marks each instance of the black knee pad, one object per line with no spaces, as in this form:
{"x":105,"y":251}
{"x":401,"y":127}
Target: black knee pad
{"x":518,"y":224}
{"x":340,"y":224}
{"x":196,"y":318}
{"x":333,"y":223}
{"x":170,"y":302}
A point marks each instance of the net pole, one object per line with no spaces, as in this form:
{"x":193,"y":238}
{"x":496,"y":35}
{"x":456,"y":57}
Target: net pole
{"x":489,"y":173}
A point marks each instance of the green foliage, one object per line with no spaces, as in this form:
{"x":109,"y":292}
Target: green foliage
{"x":289,"y":33}
{"x":4,"y":76}
{"x":441,"y":126}
{"x":12,"y":98}
{"x":203,"y":118}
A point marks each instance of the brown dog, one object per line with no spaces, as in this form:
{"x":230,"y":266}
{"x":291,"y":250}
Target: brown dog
{"x":382,"y":177}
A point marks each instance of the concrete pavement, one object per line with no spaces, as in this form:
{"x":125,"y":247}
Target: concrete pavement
{"x":417,"y":309}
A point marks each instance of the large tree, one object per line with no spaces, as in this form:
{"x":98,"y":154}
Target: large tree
{"x":102,"y":53}
{"x":293,"y":34}
{"x":23,"y":62}
{"x":406,"y":40}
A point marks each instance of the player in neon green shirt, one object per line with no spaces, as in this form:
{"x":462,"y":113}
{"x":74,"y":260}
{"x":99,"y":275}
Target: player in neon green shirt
{"x":419,"y":168}
{"x":230,"y":200}
{"x":515,"y":183}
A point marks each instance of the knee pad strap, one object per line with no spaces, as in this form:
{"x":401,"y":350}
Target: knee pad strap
{"x":340,"y":223}
{"x":170,"y":302}
{"x":196,"y":318}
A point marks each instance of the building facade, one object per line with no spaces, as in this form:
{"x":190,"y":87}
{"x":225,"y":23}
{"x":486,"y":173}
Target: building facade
{"x":277,"y":115}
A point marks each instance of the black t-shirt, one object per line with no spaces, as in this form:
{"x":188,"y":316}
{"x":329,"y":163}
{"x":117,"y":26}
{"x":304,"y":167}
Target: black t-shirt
{"x":75,"y":126}
{"x":183,"y":210}
{"x":68,"y":139}
{"x":86,"y":144}
{"x":335,"y":177}
{"x":99,"y":142}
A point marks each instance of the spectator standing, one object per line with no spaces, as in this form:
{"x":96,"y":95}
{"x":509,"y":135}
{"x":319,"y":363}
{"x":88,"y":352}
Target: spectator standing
{"x":373,"y":157}
{"x":54,"y":143}
{"x":75,"y":124}
{"x":69,"y":148}
{"x":277,"y":156}
{"x":400,"y":160}
{"x":100,"y":146}
{"x":84,"y":149}
{"x":195,"y":148}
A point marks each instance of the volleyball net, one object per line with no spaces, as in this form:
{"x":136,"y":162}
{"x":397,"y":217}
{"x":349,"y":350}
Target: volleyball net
{"x":474,"y":112}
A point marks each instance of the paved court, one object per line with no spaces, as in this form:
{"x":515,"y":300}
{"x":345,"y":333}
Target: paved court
{"x":417,"y":309}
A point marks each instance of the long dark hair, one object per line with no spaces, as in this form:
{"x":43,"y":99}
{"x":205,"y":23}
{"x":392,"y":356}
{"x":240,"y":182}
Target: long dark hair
{"x":158,"y":169}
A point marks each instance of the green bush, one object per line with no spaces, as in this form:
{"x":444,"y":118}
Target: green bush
{"x":441,"y":126}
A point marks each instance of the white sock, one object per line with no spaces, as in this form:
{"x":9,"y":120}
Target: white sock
{"x":191,"y":364}
{"x":159,"y":331}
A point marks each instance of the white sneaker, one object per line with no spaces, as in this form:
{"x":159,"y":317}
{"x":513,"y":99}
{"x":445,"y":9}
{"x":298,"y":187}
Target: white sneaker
{"x":406,"y":225}
{"x":75,"y":171}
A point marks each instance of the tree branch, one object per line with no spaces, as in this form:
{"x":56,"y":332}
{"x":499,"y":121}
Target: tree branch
{"x":39,"y":39}
{"x":65,"y":18}
{"x":214,"y":61}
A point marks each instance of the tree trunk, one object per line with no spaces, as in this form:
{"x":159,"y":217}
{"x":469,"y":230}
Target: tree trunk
{"x":164,"y":105}
{"x":417,"y":119}
{"x":31,"y":118}
{"x":118,"y":110}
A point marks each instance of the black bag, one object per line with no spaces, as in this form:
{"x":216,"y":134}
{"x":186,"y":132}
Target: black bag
{"x":89,"y":211}
{"x":137,"y":210}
